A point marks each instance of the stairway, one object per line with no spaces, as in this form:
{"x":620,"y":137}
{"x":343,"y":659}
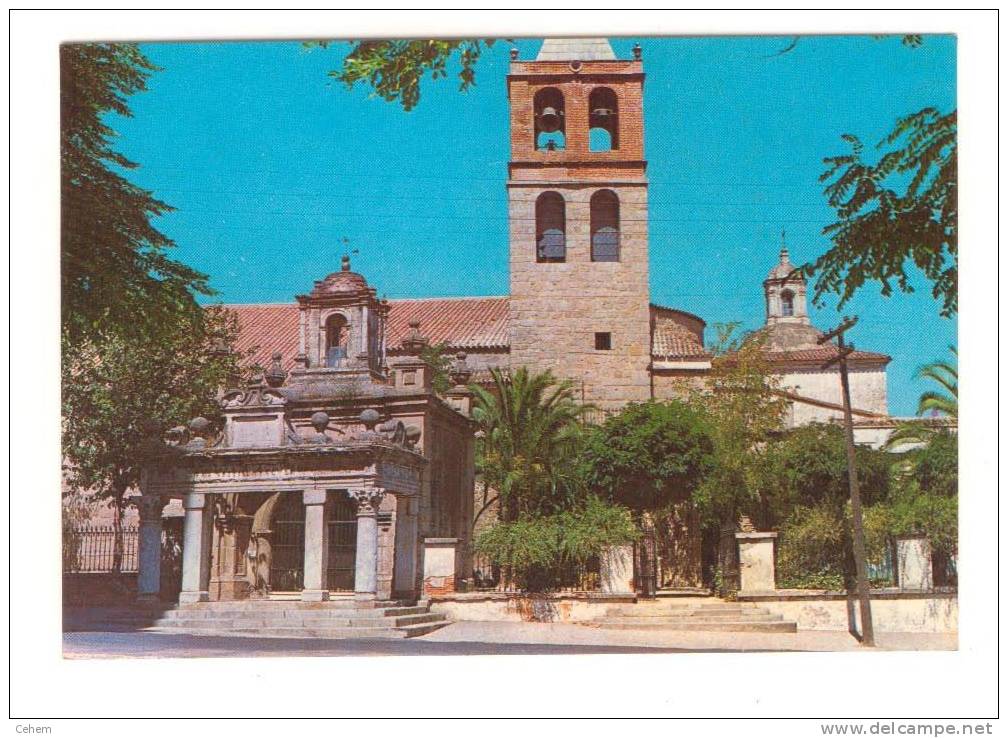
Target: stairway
{"x":695,"y":614}
{"x":285,"y":619}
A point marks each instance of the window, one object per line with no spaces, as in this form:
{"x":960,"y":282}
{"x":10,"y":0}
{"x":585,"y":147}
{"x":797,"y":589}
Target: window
{"x":551,"y":234}
{"x":336,"y":340}
{"x":549,"y":129}
{"x":603,"y":120}
{"x":603,"y":341}
{"x":787,"y":303}
{"x":605,"y":235}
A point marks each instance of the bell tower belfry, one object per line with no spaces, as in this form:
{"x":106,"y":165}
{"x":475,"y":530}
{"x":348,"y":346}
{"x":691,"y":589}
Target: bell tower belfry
{"x":577,"y":194}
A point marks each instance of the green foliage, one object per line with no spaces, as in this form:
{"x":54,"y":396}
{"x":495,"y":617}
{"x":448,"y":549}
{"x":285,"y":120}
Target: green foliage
{"x":528,"y":434}
{"x":904,"y":207}
{"x":649,"y":455}
{"x":936,"y":466}
{"x":808,"y":467}
{"x":440,"y":360}
{"x":116,"y":275}
{"x":944,"y":401}
{"x":120,"y":394}
{"x":744,"y":410}
{"x":925,"y":499}
{"x":394,"y":68}
{"x":536,"y":550}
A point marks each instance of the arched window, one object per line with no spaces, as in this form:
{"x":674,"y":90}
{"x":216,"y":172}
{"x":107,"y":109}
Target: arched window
{"x":548,"y":106}
{"x":551,"y":228}
{"x":787,"y":303}
{"x":603,"y":120}
{"x":337,"y":334}
{"x":605,"y":230}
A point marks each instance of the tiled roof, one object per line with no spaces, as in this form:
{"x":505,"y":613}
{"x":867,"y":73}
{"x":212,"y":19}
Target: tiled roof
{"x":672,"y":340}
{"x":576,"y":49}
{"x":461,"y":322}
{"x":823,"y":353}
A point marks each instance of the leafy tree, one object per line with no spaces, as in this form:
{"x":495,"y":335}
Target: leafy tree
{"x":116,"y":275}
{"x":439,"y":359}
{"x":120,"y":394}
{"x":394,"y":68}
{"x":808,"y":466}
{"x":744,"y":408}
{"x":650,"y":455}
{"x":528,"y":430}
{"x":902,"y":208}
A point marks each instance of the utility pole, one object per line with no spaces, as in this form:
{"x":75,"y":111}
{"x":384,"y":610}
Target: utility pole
{"x":857,"y":523}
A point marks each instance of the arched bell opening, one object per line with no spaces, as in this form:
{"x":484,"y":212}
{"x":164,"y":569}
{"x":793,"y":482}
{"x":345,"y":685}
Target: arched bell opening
{"x":551,"y":228}
{"x":337,"y":333}
{"x":603,"y":120}
{"x":549,"y":129}
{"x":605,"y":226}
{"x":787,"y":303}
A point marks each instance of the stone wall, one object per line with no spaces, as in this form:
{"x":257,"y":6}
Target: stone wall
{"x":867,"y":385}
{"x":556,"y":308}
{"x":892,"y":612}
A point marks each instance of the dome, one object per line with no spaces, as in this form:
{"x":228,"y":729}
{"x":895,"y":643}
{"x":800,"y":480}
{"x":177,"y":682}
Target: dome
{"x":783,"y":268}
{"x":341,"y":281}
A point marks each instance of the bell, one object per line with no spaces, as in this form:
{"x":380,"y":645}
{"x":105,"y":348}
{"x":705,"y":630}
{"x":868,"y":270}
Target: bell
{"x":602,"y":113}
{"x":549,"y":120}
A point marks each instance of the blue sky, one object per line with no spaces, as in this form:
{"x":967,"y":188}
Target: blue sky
{"x":271,"y":164}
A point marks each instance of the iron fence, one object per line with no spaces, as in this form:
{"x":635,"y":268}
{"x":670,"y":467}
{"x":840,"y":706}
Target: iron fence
{"x":573,"y":577}
{"x":92,"y":549}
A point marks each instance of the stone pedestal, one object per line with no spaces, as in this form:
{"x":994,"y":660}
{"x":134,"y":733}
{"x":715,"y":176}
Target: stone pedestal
{"x":616,"y":570}
{"x":316,"y":547}
{"x":195,"y":550}
{"x":149,"y":548}
{"x":913,"y":563}
{"x":366,"y":573}
{"x":756,"y":561}
{"x":439,"y":566}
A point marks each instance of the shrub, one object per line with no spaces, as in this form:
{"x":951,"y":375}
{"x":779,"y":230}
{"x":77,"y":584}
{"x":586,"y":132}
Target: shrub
{"x":538,"y":551}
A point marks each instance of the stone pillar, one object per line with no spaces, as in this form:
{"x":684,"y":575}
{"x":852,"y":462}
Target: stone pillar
{"x":366,"y":574}
{"x":756,"y":561}
{"x":195,"y":550}
{"x":404,"y":573}
{"x":149,"y":548}
{"x":913,"y":563}
{"x":316,"y":547}
{"x":616,"y":571}
{"x":439,"y":566}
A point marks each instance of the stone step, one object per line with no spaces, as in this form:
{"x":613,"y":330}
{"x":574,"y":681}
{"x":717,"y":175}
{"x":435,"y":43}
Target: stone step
{"x":687,"y":613}
{"x":731,"y":626}
{"x":260,"y":605}
{"x":231,"y":613}
{"x":695,"y":618}
{"x":266,"y":621}
{"x":403,"y":631}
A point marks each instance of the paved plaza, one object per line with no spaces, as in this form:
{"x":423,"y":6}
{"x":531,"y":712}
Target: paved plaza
{"x":486,"y":638}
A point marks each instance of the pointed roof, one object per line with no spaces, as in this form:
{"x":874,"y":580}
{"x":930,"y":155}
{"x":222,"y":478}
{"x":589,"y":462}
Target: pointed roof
{"x":576,"y":49}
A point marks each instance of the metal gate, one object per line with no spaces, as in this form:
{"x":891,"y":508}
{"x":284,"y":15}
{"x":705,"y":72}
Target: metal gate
{"x":287,"y":546}
{"x":342,"y":557}
{"x":646,"y":561}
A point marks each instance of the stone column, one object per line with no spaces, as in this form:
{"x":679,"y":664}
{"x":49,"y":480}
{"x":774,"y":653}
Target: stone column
{"x":913,"y":563}
{"x":366,"y":574}
{"x":756,"y":561}
{"x":316,"y":547}
{"x":149,"y":545}
{"x":195,"y":550}
{"x":616,"y":571}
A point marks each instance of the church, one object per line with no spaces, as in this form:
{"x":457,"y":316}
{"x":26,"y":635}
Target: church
{"x":579,"y":301}
{"x":344,"y":474}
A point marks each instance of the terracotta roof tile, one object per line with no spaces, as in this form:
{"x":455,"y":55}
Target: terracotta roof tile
{"x":822,"y":353}
{"x":672,"y":340}
{"x":461,"y":322}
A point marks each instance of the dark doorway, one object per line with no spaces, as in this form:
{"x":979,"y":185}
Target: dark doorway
{"x":287,"y":563}
{"x":342,"y":545}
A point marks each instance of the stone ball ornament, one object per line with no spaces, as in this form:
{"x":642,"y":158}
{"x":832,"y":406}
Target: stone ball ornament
{"x":320,"y":421}
{"x":369,"y":418}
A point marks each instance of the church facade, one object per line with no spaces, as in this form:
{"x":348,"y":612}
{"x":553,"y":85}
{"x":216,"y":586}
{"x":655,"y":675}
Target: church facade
{"x":345,"y":440}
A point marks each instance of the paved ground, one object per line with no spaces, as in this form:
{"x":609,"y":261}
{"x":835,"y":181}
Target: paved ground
{"x":465,"y":638}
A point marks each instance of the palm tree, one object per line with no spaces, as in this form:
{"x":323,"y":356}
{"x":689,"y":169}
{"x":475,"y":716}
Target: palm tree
{"x":944,"y":401}
{"x":528,"y":428}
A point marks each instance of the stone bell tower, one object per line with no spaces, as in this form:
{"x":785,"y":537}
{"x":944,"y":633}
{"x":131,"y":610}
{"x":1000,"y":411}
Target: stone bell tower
{"x":577,"y":194}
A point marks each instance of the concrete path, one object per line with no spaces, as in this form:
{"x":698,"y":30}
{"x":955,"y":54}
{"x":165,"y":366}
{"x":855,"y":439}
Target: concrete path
{"x":466,"y":638}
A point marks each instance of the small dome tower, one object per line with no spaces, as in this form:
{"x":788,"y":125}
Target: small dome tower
{"x":785,"y":292}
